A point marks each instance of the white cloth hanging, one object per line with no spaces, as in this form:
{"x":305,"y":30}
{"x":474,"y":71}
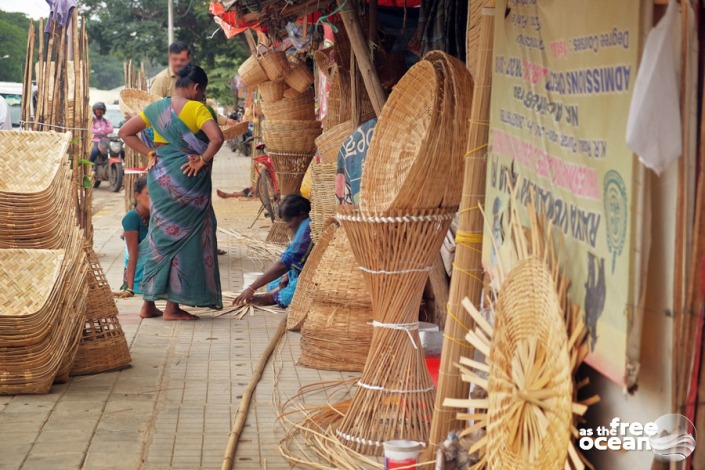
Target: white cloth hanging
{"x":654,"y":123}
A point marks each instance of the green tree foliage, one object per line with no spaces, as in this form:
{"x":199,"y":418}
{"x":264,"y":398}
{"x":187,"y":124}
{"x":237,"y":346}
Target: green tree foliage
{"x":106,"y":70}
{"x":137,"y":30}
{"x":13,"y":44}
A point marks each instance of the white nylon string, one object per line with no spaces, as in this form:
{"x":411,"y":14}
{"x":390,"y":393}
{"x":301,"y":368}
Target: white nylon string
{"x":359,"y":440}
{"x":377,"y":388}
{"x":404,"y":271}
{"x":408,"y":327}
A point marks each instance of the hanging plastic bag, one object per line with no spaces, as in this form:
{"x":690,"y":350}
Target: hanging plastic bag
{"x":654,"y":124}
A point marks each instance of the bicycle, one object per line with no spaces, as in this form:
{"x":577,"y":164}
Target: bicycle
{"x":266,"y":186}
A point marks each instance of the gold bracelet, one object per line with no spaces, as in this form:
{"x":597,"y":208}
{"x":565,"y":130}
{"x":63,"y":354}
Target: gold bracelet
{"x":152,"y":153}
{"x":203,"y":160}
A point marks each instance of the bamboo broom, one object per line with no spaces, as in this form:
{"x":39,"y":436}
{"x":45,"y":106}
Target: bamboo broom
{"x":247,"y":396}
{"x":467,"y":269}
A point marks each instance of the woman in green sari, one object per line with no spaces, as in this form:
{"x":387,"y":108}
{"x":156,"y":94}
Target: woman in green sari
{"x":181,"y":265}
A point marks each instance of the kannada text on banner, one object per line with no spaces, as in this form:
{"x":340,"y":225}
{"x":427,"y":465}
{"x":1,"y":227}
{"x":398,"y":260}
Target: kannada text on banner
{"x":562,"y":83}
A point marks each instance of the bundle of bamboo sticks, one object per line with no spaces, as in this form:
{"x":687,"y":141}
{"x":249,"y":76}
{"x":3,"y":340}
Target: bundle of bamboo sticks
{"x":61,"y":102}
{"x":137,"y":79}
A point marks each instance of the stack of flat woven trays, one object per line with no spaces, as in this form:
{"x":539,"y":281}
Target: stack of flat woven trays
{"x":290,"y":128}
{"x":37,"y":213}
{"x":410,"y":191}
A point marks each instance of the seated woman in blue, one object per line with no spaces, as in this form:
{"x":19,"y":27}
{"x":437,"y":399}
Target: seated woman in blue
{"x":136,"y":227}
{"x":281,"y":278}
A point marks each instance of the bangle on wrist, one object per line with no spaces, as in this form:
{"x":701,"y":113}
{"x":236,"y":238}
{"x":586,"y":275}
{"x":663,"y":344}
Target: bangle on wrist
{"x":251,"y":288}
{"x":152,"y":153}
{"x":203,"y":160}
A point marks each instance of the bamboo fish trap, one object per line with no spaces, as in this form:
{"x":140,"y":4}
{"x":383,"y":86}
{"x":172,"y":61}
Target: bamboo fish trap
{"x":394,"y":398}
{"x":532,"y":353}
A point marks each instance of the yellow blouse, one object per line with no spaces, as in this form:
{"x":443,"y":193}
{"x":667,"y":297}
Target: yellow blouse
{"x":194,"y":114}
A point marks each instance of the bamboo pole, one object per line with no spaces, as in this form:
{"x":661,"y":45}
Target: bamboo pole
{"x":358,"y":43}
{"x":27,"y":82}
{"x":467,"y":271}
{"x":247,"y":396}
{"x":251,"y":42}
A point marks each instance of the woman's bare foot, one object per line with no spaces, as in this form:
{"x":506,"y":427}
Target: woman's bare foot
{"x":150,"y":310}
{"x":174,"y":313}
{"x":224,"y":195}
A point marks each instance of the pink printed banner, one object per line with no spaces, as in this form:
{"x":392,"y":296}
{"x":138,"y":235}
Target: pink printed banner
{"x":562,"y":83}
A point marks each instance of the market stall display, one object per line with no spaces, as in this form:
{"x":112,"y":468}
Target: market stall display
{"x":404,"y":214}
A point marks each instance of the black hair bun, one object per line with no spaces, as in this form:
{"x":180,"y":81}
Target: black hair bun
{"x":186,"y":70}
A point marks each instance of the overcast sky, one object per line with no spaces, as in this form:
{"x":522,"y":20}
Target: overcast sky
{"x":34,"y":8}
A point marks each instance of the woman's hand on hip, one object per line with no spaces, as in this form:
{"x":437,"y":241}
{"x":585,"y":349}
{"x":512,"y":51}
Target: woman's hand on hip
{"x":194,"y":165}
{"x":152,"y":160}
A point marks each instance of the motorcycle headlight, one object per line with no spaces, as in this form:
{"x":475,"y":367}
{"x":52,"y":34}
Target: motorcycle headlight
{"x":115,"y":147}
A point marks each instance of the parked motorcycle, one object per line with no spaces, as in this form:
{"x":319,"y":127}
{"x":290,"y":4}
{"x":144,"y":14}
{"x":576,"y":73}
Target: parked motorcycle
{"x":109,"y":165}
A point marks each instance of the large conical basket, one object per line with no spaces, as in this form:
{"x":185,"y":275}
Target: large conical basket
{"x":290,"y":168}
{"x":395,"y":395}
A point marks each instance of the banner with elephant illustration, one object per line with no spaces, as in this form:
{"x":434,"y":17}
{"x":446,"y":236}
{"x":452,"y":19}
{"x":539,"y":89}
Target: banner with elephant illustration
{"x":562,"y":83}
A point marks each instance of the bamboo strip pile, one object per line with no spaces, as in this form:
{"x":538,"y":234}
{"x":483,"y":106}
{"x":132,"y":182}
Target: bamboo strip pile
{"x":466,"y":279}
{"x":134,"y":78}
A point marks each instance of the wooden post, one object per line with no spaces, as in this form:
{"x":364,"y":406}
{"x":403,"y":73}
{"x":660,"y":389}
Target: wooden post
{"x":358,"y":43}
{"x":251,"y":42}
{"x":468,"y":256}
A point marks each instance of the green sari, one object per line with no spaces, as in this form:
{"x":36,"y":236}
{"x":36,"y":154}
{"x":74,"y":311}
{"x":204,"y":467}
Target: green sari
{"x":182,"y":263}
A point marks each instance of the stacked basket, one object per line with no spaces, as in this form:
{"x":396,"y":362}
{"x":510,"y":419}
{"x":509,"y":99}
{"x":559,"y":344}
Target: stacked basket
{"x":290,"y":128}
{"x":336,"y":333}
{"x":410,"y":190}
{"x":36,"y":212}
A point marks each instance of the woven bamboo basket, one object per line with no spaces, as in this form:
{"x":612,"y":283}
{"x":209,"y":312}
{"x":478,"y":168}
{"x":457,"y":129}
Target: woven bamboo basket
{"x":272,"y":91}
{"x":291,"y":93}
{"x":339,"y":278}
{"x":305,"y":287}
{"x":301,"y":108}
{"x":103,"y":345}
{"x":290,"y":169}
{"x":329,"y":142}
{"x":395,"y":395}
{"x":299,"y":77}
{"x":291,"y":136}
{"x":230,"y":132}
{"x":429,"y":107}
{"x":133,"y":101}
{"x":275,"y":65}
{"x":336,"y":337}
{"x":322,"y":59}
{"x":323,"y":198}
{"x":251,"y":72}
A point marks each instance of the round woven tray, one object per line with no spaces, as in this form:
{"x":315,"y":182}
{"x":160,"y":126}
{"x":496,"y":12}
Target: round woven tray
{"x":272,"y":91}
{"x":251,"y":72}
{"x":301,"y":107}
{"x":275,"y":65}
{"x":336,"y":337}
{"x":133,"y":101}
{"x":529,"y":355}
{"x":330,"y":141}
{"x":299,"y":77}
{"x":415,"y":159}
{"x":323,"y":198}
{"x":303,"y":298}
{"x":230,"y":132}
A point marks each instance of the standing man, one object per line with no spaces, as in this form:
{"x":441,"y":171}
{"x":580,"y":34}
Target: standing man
{"x":165,"y":82}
